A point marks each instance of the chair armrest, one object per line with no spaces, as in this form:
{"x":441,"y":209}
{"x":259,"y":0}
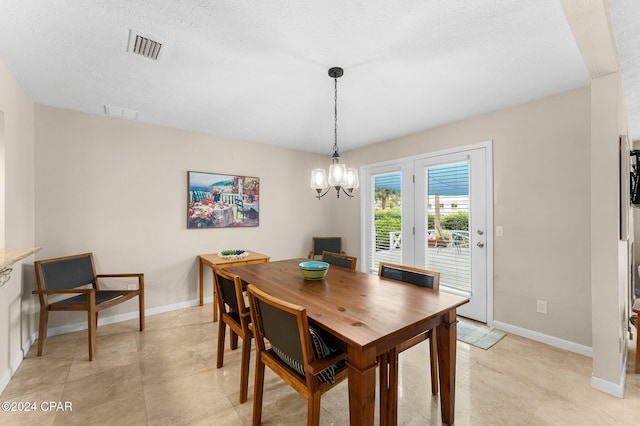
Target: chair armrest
{"x":65,"y":291}
{"x":310,"y":255}
{"x":119,"y":275}
{"x":140,"y":277}
{"x":318,"y":366}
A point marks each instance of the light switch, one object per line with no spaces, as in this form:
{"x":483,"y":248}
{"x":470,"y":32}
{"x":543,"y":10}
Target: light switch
{"x":499,"y":231}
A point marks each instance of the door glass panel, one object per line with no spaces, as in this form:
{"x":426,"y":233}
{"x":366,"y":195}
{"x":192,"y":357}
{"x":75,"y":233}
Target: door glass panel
{"x":387,"y":212}
{"x":447,"y":233}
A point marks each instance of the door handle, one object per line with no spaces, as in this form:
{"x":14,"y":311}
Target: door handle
{"x":480,"y":244}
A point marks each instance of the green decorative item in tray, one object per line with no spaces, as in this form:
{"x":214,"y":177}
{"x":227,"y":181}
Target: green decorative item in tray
{"x":233,"y":254}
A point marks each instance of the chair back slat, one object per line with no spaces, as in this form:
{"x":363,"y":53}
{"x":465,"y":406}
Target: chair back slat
{"x":67,"y":273}
{"x":415,"y":276}
{"x":281,"y":329}
{"x":228,"y":293}
{"x":332,"y":244}
{"x":337,"y":259}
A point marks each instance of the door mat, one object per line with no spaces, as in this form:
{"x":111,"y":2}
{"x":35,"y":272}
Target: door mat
{"x":478,"y":334}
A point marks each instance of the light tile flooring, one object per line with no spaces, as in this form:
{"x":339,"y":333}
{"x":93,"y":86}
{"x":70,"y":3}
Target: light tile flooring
{"x":166,"y":375}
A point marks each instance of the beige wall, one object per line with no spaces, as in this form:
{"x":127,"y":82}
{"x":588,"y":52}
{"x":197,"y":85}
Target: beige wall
{"x":608,"y":253}
{"x":17,"y":218}
{"x":119,"y":189}
{"x":541,"y":197}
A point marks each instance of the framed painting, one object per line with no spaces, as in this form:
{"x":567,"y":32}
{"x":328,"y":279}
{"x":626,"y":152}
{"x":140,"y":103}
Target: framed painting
{"x":222,"y":201}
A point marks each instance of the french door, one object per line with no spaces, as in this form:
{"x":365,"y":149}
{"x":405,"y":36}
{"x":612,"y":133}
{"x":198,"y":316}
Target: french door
{"x":433,"y":212}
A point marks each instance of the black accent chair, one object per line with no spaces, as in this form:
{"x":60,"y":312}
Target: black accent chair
{"x":235,"y":314}
{"x":338,"y":259}
{"x":76,"y":276}
{"x":320,"y":244}
{"x":388,"y":362}
{"x":298,"y":353}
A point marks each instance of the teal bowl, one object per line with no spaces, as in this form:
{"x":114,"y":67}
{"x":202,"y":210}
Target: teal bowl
{"x":313,"y":269}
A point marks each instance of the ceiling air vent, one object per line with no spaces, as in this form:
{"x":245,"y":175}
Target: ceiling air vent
{"x":117,"y":112}
{"x":143,"y":45}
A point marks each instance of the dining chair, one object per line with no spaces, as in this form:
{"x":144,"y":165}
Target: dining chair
{"x":75,"y":276}
{"x":339,"y":259}
{"x":298,"y":353}
{"x":234,"y":314}
{"x":388,"y":362}
{"x":320,"y":244}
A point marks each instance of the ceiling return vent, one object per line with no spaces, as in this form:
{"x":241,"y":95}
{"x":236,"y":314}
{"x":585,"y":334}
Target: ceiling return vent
{"x":144,"y":45}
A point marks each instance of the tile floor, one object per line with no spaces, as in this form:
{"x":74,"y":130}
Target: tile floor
{"x":166,"y":375}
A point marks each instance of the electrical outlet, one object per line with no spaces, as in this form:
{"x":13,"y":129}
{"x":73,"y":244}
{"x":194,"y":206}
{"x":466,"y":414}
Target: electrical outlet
{"x":132,"y":287}
{"x":541,"y":306}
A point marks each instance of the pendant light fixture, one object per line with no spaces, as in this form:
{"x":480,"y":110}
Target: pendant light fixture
{"x":340,"y":177}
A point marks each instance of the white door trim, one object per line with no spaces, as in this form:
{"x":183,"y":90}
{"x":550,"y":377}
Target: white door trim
{"x":488,"y":146}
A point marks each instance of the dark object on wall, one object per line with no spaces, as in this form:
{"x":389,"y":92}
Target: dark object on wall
{"x":635,"y":179}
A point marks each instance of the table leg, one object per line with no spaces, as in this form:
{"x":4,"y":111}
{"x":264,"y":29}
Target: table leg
{"x":637,"y":370}
{"x":392,"y":412}
{"x":201,"y":283}
{"x":636,"y":310}
{"x":446,"y":334}
{"x":215,"y":302}
{"x":383,"y":384}
{"x":362,"y":386}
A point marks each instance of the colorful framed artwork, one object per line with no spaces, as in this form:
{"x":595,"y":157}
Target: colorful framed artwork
{"x":222,"y":201}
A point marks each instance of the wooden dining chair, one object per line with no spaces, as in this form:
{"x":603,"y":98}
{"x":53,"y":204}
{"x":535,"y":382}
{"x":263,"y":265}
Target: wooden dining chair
{"x":388,"y":362}
{"x":320,"y":244}
{"x":339,"y":259}
{"x":298,"y":353}
{"x":75,"y":276}
{"x":234,"y":314}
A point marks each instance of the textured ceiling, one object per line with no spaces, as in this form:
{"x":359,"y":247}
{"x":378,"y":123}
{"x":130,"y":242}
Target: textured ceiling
{"x":626,"y":19}
{"x":257,"y":70}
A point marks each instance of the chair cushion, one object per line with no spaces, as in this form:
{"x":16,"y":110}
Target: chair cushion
{"x":320,"y":350}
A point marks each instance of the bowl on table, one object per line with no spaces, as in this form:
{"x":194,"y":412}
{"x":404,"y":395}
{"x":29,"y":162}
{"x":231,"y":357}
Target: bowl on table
{"x":313,"y":269}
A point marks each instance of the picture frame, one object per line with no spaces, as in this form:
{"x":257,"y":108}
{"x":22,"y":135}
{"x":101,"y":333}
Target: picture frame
{"x":216,"y":200}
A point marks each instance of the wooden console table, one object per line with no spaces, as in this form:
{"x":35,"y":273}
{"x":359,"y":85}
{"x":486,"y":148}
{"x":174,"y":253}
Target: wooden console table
{"x":213,"y":259}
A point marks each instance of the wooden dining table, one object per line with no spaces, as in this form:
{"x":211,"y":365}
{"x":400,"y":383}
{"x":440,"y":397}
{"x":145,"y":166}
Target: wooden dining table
{"x":368,"y":316}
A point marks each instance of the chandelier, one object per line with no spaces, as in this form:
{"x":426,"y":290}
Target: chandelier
{"x":340,"y":177}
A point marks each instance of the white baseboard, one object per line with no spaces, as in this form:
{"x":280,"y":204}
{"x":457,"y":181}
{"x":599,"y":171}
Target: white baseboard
{"x":83,"y":326}
{"x":70,"y":328}
{"x":544,"y":338}
{"x":615,"y":389}
{"x":13,"y":367}
{"x":5,"y":380}
{"x":27,"y":345}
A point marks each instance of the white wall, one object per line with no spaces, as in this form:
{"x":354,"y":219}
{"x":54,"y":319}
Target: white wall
{"x":17,"y":218}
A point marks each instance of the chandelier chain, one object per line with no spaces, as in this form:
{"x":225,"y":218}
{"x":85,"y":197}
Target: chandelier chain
{"x":335,"y":115}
